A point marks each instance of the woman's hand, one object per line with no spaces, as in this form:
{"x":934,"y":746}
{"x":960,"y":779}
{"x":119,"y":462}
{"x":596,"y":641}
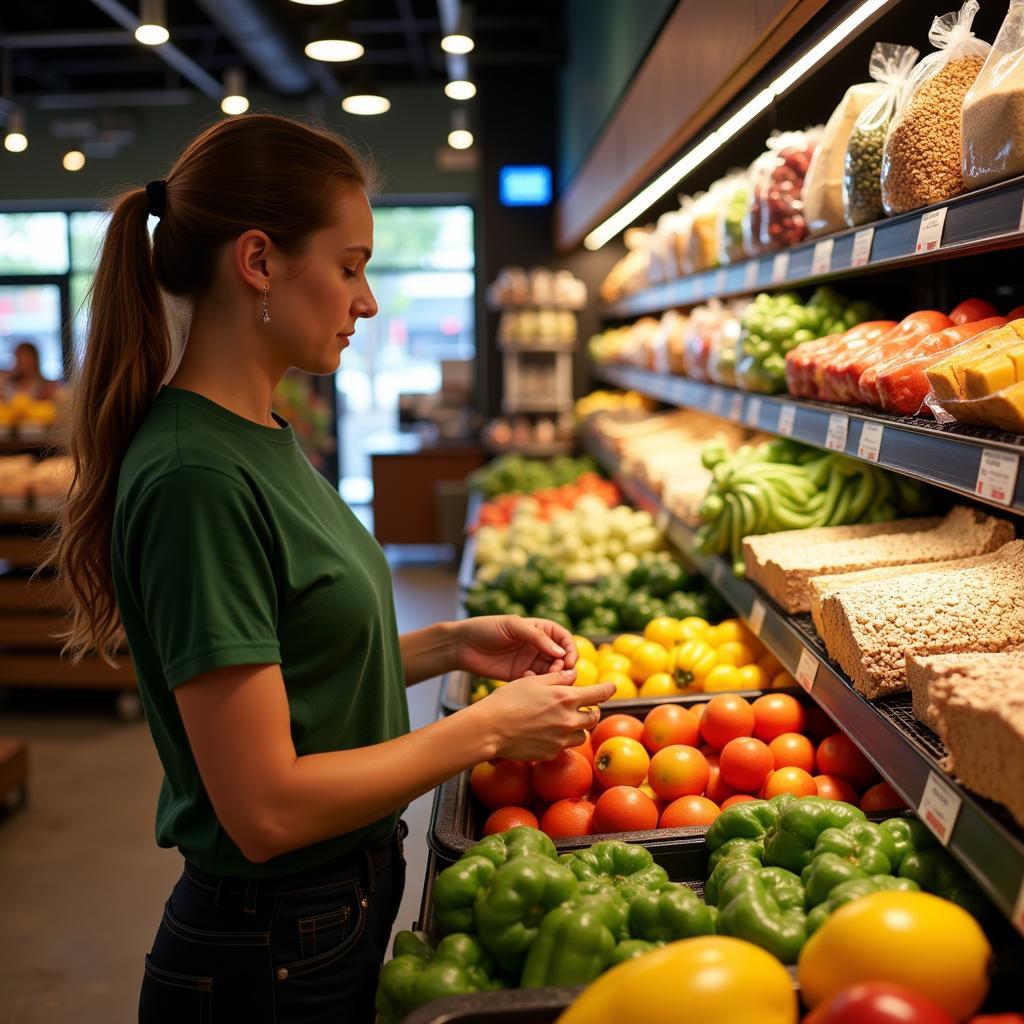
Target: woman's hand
{"x":508,"y":647}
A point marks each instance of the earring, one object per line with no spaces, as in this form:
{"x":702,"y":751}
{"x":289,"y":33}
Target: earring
{"x":266,"y":309}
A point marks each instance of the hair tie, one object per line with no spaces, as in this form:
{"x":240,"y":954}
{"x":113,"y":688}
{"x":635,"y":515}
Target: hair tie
{"x":156,"y":193}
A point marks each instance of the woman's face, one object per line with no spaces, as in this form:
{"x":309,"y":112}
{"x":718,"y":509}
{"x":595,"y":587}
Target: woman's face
{"x":315,"y":305}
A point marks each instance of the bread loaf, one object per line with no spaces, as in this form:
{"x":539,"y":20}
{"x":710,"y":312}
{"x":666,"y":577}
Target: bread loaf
{"x":868,"y":628}
{"x":923,"y":670}
{"x":981,"y":720}
{"x":783,"y":564}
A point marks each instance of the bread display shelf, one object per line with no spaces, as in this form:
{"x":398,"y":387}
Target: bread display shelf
{"x":981,"y":834}
{"x":980,"y":221}
{"x":947,"y":456}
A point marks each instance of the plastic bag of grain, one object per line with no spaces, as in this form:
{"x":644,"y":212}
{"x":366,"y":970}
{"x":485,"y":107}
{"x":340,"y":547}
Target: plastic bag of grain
{"x":703,"y":250}
{"x":890,"y":66}
{"x":921,"y":163}
{"x":732,"y":213}
{"x":993,"y":125}
{"x":780,"y":188}
{"x":823,"y":186}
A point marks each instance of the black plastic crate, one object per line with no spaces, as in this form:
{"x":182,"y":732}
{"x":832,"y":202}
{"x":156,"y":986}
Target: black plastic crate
{"x":512,"y":1006}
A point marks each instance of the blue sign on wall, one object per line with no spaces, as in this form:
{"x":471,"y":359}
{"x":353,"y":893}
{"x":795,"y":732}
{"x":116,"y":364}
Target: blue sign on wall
{"x":524,"y":185}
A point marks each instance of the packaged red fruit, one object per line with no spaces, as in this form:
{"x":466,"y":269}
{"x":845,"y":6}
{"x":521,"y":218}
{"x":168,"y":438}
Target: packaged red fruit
{"x":505,"y":818}
{"x":689,"y":811}
{"x":567,"y":774}
{"x":667,"y":725}
{"x":572,"y":817}
{"x":777,"y":713}
{"x":678,"y":771}
{"x":501,"y":783}
{"x":624,"y":809}
{"x":746,"y":763}
{"x":837,"y":755}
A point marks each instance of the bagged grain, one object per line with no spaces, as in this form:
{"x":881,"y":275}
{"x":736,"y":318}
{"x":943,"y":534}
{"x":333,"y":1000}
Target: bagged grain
{"x":921,"y":163}
{"x":993,"y":118}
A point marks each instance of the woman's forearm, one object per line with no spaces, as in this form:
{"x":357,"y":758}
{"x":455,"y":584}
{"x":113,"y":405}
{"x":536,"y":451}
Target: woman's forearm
{"x":429,"y":652}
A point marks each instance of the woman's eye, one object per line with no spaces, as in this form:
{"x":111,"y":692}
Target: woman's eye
{"x":350,"y":272}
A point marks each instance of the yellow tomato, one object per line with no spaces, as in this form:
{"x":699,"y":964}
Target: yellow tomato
{"x":586,"y":673}
{"x":770,"y":664}
{"x":692,"y":662}
{"x":603,"y":649}
{"x":726,"y":630}
{"x":714,"y":977}
{"x":626,"y":643}
{"x":661,"y":684}
{"x":613,"y":662}
{"x":585,"y":648}
{"x":732,"y":652}
{"x":782,"y":681}
{"x":908,"y":938}
{"x":663,"y":630}
{"x":754,"y":678}
{"x":722,"y":678}
{"x":647,"y":659}
{"x":693,"y":627}
{"x":624,"y":686}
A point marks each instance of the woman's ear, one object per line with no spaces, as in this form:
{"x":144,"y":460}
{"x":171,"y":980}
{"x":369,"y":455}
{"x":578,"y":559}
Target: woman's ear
{"x":253,"y":258}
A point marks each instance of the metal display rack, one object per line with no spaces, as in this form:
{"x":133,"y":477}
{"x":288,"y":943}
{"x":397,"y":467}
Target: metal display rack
{"x":981,"y":221}
{"x":947,"y":456}
{"x":978,"y":832}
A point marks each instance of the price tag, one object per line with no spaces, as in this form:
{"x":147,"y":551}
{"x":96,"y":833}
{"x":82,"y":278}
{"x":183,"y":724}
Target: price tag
{"x":870,"y":443}
{"x":821,"y":261}
{"x":1018,"y":910}
{"x":997,"y":476}
{"x":721,"y":280}
{"x":717,"y":398}
{"x":736,"y":408}
{"x":939,"y":807}
{"x":780,"y":267}
{"x":862,"y":242}
{"x":754,"y":412}
{"x":838,"y":428}
{"x":807,"y":670}
{"x":787,"y":419}
{"x":929,"y":232}
{"x":750,"y":274}
{"x":756,"y":620}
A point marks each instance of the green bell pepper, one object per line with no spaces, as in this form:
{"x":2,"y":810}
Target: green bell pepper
{"x":764,"y":907}
{"x":857,"y":850}
{"x":456,"y":889}
{"x":935,"y":871}
{"x":575,"y":942}
{"x":632,"y":948}
{"x":908,"y":835}
{"x":827,"y":871}
{"x":511,"y":909}
{"x":740,"y":861}
{"x":516,"y":842}
{"x":418,"y":973}
{"x":625,"y":864}
{"x":755,"y":847}
{"x":854,"y":889}
{"x":676,"y":913}
{"x":790,"y":842}
{"x":748,"y":820}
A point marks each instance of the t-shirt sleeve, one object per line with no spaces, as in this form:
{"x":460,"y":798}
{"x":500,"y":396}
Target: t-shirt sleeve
{"x":200,"y":560}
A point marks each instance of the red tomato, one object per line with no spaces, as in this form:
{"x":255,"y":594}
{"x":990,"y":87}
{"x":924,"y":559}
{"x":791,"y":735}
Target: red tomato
{"x":971,"y":310}
{"x":739,"y":798}
{"x":501,"y":783}
{"x":819,"y":725}
{"x":567,"y":774}
{"x":726,"y":717}
{"x":678,"y":771}
{"x":838,"y":756}
{"x":586,"y":748}
{"x":789,"y":780}
{"x":746,"y":763}
{"x":777,"y":713}
{"x":878,"y":1002}
{"x":717,"y":788}
{"x":999,"y":1018}
{"x":831,"y":787}
{"x":616,"y":725}
{"x":881,"y":797}
{"x":793,"y":750}
{"x":568,"y":818}
{"x":624,"y":809}
{"x":689,"y":811}
{"x":505,"y":818}
{"x":667,"y":725}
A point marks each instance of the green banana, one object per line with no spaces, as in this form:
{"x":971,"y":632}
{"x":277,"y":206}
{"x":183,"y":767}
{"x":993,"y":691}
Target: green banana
{"x":864,"y":492}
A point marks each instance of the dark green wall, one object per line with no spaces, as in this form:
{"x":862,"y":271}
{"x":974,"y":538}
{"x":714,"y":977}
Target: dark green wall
{"x":403,"y":142}
{"x":607,"y":40}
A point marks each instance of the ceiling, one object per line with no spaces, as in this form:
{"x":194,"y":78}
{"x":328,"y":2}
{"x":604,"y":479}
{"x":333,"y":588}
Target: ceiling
{"x":54,"y":51}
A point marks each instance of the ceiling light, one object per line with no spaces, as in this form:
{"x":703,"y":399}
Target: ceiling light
{"x":235,"y":101}
{"x":690,"y":160}
{"x":460,"y":40}
{"x":335,"y":50}
{"x":15,"y":140}
{"x":460,"y":89}
{"x":316,"y":3}
{"x":74,"y":160}
{"x":152,"y":27}
{"x":460,"y":137}
{"x":366,"y":104}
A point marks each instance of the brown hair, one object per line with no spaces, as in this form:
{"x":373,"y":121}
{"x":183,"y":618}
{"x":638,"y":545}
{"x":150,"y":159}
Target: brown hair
{"x":255,"y":171}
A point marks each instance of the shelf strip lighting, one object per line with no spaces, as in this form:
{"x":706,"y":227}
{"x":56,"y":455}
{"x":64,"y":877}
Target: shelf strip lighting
{"x":694,"y":157}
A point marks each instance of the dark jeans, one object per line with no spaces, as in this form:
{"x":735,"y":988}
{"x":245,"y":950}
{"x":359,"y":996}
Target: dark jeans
{"x":300,"y":949}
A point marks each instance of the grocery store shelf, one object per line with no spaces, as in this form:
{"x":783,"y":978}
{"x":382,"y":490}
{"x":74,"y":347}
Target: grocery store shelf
{"x":948,"y":456}
{"x":534,"y":450}
{"x":982,"y":835}
{"x":527,"y":347}
{"x":984,"y":220}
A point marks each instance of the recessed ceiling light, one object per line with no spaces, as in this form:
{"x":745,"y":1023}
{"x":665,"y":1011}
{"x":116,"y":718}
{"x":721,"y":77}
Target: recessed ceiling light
{"x":74,"y":160}
{"x":460,"y":90}
{"x":335,"y":50}
{"x":316,"y":3}
{"x":366,"y":104}
{"x":461,"y":138}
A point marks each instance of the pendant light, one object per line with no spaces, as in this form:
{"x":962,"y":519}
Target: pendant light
{"x":74,"y":160}
{"x":15,"y":139}
{"x":366,"y":103}
{"x":460,"y":137}
{"x":460,"y":40}
{"x":235,"y":100}
{"x":460,"y":89}
{"x":152,"y":27}
{"x":316,"y":3}
{"x":334,"y":43}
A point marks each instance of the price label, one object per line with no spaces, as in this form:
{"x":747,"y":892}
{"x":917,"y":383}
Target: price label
{"x":756,"y":620}
{"x":754,"y":412}
{"x":1018,"y":909}
{"x":721,"y":279}
{"x":750,"y":274}
{"x":997,"y":476}
{"x":807,"y":670}
{"x":929,"y":232}
{"x":870,"y":443}
{"x":717,"y":398}
{"x":787,"y":419}
{"x":838,"y":428}
{"x":821,"y":261}
{"x":862,"y":242}
{"x":736,"y":408}
{"x":939,"y":807}
{"x":780,"y":267}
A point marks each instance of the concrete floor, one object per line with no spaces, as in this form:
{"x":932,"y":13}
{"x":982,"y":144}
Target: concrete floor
{"x":82,"y":882}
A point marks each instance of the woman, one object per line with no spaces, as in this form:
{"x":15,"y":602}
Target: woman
{"x":258,"y":611}
{"x":25,"y":377}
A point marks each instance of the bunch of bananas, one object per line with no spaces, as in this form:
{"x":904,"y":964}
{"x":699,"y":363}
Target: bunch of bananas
{"x":782,"y":485}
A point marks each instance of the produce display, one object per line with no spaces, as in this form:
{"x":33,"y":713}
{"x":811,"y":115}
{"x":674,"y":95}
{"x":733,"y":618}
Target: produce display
{"x":610,"y":401}
{"x":27,"y":415}
{"x":26,"y":483}
{"x":783,"y":485}
{"x":514,"y":474}
{"x":778,"y":188}
{"x":544,"y":503}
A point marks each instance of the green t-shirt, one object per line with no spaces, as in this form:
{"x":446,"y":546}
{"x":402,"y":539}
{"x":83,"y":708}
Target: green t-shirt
{"x":230,"y":549}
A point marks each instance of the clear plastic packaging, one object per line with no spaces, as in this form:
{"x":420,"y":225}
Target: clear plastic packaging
{"x":758,"y":172}
{"x":724,"y":352}
{"x":779,"y":188}
{"x":993,"y":118}
{"x":922,"y":160}
{"x":703,"y":247}
{"x":732,"y":213}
